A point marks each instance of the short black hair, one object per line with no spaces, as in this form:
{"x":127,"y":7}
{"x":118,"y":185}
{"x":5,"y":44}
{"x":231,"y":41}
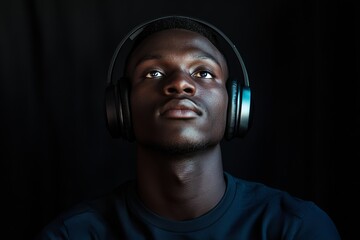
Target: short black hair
{"x":178,"y":22}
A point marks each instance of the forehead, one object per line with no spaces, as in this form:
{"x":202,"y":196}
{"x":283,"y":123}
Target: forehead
{"x":176,"y":41}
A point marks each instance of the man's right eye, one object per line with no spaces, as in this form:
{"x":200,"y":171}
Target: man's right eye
{"x":153,"y":74}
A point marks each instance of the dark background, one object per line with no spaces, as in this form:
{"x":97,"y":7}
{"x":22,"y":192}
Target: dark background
{"x":55,"y":150}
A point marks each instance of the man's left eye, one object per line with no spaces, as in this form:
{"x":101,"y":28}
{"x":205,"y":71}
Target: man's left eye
{"x":203,"y":74}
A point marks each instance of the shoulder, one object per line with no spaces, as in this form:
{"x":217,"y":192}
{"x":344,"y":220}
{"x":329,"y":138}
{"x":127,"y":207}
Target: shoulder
{"x":70,"y":223}
{"x":263,"y":196}
{"x":303,"y":218}
{"x":87,"y":219}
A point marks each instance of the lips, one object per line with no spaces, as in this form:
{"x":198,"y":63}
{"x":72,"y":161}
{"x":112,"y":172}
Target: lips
{"x":180,"y":109}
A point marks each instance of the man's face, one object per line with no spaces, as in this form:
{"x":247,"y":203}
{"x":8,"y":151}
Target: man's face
{"x":178,"y":96}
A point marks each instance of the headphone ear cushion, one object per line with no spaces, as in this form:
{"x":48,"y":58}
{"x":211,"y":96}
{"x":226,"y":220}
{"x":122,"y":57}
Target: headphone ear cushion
{"x":126,"y":127}
{"x":118,"y":110}
{"x":232,"y":88}
{"x":238,"y":114}
{"x":113,"y":111}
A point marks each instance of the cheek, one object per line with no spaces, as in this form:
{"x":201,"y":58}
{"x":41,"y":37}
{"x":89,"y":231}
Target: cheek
{"x":220,"y":103}
{"x":222,"y":112}
{"x":137,"y":107}
{"x":218,"y":111}
{"x":140,"y":100}
{"x":142,"y":108}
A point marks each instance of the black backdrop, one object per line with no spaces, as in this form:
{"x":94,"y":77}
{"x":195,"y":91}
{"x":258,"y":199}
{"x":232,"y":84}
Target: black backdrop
{"x":55,"y":150}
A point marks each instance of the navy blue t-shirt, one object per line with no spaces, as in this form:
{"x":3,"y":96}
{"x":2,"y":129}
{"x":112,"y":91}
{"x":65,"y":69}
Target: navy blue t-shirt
{"x":247,"y":211}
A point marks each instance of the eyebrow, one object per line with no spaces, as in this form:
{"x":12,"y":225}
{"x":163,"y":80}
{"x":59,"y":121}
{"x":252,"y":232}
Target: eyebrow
{"x":202,"y":56}
{"x":206,"y":56}
{"x":147,"y":57}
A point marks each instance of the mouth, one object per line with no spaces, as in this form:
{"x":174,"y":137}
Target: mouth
{"x":180,"y":109}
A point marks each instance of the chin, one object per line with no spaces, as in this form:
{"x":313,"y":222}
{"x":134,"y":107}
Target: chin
{"x":183,"y":148}
{"x":180,"y":141}
{"x":186,"y":148}
{"x":179,"y":145}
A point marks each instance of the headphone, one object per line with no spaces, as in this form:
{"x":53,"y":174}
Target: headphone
{"x":118,"y":115}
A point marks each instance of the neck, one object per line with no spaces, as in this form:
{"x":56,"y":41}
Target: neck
{"x":180,"y":187}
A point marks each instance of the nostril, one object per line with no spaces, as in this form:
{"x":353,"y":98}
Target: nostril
{"x":188,"y":90}
{"x":171,"y":90}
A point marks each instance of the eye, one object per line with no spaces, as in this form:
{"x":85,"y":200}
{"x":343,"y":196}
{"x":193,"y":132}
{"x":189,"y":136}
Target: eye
{"x":203,"y":74}
{"x":154,"y":74}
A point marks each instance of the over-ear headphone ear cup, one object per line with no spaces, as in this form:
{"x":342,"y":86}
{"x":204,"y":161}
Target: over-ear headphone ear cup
{"x":238,"y":113}
{"x":118,"y":110}
{"x":245,"y":116}
{"x":126,"y":127}
{"x":113,"y":111}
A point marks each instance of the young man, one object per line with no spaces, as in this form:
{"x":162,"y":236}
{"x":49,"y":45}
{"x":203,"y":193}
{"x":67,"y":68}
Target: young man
{"x":178,"y":114}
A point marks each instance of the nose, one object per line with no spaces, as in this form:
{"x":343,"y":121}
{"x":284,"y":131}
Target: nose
{"x":179,"y":84}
